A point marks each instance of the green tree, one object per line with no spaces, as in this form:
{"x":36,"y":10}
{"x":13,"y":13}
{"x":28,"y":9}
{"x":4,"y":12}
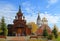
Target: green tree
{"x":4,"y":27}
{"x":55,"y":32}
{"x":45,"y":33}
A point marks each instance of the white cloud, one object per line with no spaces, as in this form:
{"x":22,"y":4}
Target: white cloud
{"x":30,"y":18}
{"x":31,"y":15}
{"x":52,"y":19}
{"x":28,"y":7}
{"x":8,"y":11}
{"x":51,"y":2}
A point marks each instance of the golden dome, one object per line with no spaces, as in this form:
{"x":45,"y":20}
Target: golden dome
{"x":44,"y":19}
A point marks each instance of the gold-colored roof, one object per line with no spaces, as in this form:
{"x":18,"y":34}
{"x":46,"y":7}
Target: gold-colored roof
{"x":44,"y":19}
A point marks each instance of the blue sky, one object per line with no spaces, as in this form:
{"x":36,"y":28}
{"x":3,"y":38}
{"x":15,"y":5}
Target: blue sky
{"x":30,"y":8}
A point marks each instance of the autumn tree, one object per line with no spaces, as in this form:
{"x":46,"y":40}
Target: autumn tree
{"x":33,"y":26}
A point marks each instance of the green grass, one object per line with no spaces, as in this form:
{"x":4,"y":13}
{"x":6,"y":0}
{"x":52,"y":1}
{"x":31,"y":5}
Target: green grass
{"x":58,"y":39}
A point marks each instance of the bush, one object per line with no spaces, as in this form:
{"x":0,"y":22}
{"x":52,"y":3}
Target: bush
{"x":50,"y":37}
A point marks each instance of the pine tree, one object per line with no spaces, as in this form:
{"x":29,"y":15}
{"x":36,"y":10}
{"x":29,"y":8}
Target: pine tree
{"x":45,"y":33}
{"x":4,"y":27}
{"x":54,"y":31}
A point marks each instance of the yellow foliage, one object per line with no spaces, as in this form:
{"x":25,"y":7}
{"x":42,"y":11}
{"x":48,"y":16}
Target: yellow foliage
{"x":1,"y":30}
{"x":34,"y":27}
{"x":33,"y":40}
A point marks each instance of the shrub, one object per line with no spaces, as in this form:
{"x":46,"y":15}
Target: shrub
{"x":50,"y":37}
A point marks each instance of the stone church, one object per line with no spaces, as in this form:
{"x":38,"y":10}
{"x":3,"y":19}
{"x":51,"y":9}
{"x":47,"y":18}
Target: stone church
{"x":42,"y":24}
{"x":19,"y":27}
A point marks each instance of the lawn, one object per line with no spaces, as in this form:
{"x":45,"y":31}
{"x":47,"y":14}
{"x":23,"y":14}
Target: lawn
{"x":58,"y":39}
{"x":1,"y":39}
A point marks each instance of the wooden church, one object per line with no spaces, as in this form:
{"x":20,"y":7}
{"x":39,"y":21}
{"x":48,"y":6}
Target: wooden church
{"x":19,"y":27}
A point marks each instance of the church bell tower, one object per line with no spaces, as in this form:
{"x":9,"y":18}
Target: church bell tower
{"x":39,"y":22}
